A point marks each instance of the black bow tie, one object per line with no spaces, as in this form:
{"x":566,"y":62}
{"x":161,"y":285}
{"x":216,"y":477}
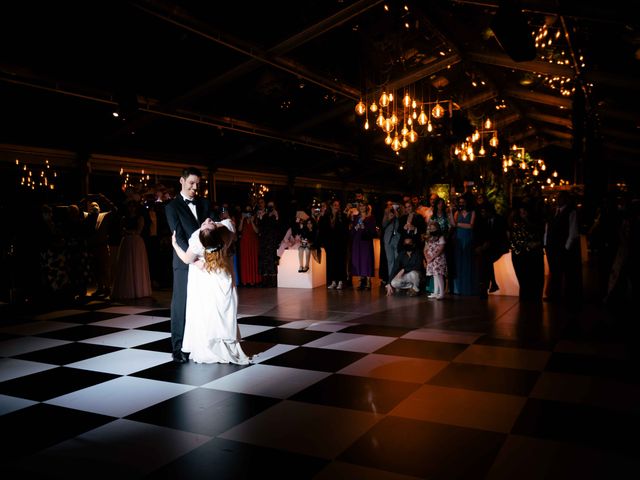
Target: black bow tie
{"x":187,"y":201}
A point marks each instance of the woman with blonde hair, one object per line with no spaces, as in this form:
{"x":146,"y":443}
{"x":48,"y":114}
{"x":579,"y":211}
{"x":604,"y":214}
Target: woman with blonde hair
{"x":211,"y":332}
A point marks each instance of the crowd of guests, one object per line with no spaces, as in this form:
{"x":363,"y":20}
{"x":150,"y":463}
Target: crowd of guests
{"x":426,"y":245}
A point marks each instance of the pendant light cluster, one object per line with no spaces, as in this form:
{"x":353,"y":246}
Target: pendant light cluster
{"x":468,"y":150}
{"x":399,"y":120}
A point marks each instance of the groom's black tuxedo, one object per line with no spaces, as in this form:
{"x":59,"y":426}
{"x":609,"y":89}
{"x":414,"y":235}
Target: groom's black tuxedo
{"x":182,"y":221}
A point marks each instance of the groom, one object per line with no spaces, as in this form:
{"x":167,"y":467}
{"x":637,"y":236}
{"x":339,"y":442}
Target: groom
{"x":184,"y":213}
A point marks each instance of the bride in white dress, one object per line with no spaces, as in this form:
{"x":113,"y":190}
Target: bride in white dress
{"x":211,"y":333}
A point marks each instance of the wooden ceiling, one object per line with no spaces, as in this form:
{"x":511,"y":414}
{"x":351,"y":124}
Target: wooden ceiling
{"x":271,"y":86}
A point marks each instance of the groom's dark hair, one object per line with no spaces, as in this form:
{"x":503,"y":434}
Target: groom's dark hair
{"x":191,"y":171}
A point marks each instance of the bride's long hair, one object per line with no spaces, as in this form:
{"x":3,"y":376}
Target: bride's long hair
{"x":216,"y":243}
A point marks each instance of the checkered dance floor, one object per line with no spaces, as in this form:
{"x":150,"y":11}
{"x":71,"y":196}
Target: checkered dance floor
{"x":344,"y":384}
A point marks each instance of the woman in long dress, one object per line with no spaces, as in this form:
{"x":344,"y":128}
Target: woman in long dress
{"x":211,"y":332}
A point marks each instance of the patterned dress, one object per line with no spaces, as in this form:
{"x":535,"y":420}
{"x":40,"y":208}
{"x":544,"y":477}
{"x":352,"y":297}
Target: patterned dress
{"x":438,"y":265}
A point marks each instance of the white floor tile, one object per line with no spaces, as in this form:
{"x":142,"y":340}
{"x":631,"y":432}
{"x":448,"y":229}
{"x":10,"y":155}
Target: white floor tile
{"x":121,"y":396}
{"x":268,"y":380}
{"x":351,"y":342}
{"x":272,"y":352}
{"x":248,"y":330}
{"x":328,"y":326}
{"x":13,"y":368}
{"x":18,"y":346}
{"x":448,"y":336}
{"x":123,"y":362}
{"x":131,"y":321}
{"x":127,"y":338}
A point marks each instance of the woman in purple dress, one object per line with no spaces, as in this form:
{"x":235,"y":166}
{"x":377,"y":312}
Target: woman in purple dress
{"x":362,"y":231}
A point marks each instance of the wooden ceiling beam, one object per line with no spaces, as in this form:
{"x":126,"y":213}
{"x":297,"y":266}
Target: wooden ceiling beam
{"x":557,"y":133}
{"x":553,"y":119}
{"x":535,"y":66}
{"x":543,"y":98}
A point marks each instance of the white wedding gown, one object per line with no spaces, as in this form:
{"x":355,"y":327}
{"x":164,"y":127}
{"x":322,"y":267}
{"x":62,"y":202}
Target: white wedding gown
{"x":211,"y":333}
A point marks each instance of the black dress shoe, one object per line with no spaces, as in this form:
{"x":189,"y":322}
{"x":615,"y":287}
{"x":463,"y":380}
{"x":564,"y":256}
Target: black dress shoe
{"x":180,"y":357}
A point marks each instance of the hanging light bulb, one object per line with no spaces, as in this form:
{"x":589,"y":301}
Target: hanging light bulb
{"x":404,"y":143}
{"x":374,"y":107}
{"x":422,"y":118}
{"x":361,"y":108}
{"x":494,"y":141}
{"x":388,"y":139}
{"x":406,"y":101}
{"x":394,"y":118}
{"x":429,"y":127}
{"x":413,"y":136}
{"x":487,"y":124}
{"x":481,"y":152}
{"x":404,"y":130}
{"x":395,"y":144}
{"x":388,"y":125}
{"x":437,"y":111}
{"x":384,"y":99}
{"x":380,"y":120}
{"x":366,"y":124}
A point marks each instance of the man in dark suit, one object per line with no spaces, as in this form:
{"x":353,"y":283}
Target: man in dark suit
{"x":185,"y":214}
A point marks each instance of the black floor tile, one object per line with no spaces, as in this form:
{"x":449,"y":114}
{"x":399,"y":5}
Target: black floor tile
{"x":423,"y":349}
{"x":190,"y":373}
{"x":68,"y":353}
{"x":263,"y":320}
{"x":322,"y":359}
{"x":425,"y":449}
{"x":227,"y":460}
{"x":358,"y":393}
{"x":160,"y":312}
{"x":594,"y":366}
{"x":381,"y":330}
{"x":89,"y":317}
{"x":158,"y":327}
{"x":40,"y":426}
{"x":583,"y":424}
{"x":525,"y":342}
{"x":52,"y":383}
{"x":163,"y":345}
{"x":81,"y":332}
{"x":289,"y":336}
{"x":252,"y":348}
{"x":204,"y":411}
{"x":487,"y":379}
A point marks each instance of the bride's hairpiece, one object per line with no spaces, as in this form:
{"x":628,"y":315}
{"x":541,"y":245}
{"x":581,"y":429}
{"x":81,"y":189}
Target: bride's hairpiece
{"x":213,"y":249}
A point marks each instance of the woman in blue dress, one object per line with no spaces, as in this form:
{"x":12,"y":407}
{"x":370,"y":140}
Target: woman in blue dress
{"x":465,"y":281}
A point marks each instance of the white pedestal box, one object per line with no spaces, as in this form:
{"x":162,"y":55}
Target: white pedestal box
{"x":289,"y":277}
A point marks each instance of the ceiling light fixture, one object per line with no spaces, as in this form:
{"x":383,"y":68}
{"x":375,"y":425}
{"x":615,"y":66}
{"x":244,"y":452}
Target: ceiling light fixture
{"x":398,"y":119}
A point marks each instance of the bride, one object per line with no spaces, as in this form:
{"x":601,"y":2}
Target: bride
{"x":211,"y":333}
